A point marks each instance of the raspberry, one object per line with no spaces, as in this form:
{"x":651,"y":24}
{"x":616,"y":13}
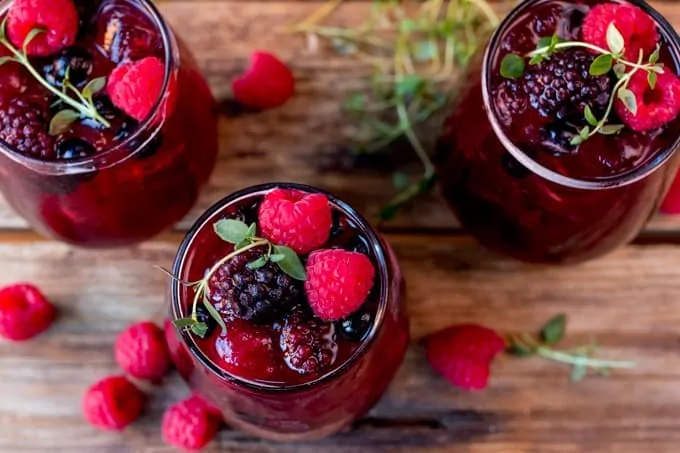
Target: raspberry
{"x":671,"y":204}
{"x":296,"y":219}
{"x":189,"y":424}
{"x":308,"y":344}
{"x":655,"y":107}
{"x":338,"y":282}
{"x":113,"y":403}
{"x":58,"y":18}
{"x":462,"y":354}
{"x":24,"y":312}
{"x":637,"y":28}
{"x":267,"y":83}
{"x":141,"y":350}
{"x":135,"y":87}
{"x":247,"y":350}
{"x":256,"y":295}
{"x":562,"y":86}
{"x":24,"y":126}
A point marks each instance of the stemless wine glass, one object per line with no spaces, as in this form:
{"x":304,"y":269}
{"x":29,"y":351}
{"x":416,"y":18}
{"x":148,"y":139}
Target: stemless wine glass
{"x":514,"y":204}
{"x":140,"y":185}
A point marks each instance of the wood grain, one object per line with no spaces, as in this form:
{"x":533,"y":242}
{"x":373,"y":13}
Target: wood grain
{"x":628,"y":301}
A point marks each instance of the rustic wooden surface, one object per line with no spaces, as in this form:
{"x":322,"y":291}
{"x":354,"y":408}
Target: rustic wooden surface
{"x":629,"y":301}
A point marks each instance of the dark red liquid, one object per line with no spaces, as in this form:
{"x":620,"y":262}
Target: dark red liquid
{"x":143,"y":177}
{"x":281,"y":403}
{"x":511,"y":208}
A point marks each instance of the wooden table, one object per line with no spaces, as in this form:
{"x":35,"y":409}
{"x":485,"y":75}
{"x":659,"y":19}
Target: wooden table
{"x":629,"y":301}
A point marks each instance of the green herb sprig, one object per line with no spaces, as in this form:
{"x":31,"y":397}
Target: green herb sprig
{"x":611,"y":59}
{"x":416,"y":50}
{"x":80,"y":103}
{"x":580,"y":359}
{"x":243,"y":238}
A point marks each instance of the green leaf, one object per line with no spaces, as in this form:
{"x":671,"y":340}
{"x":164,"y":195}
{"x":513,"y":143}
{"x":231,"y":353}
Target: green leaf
{"x":520,"y":350}
{"x":601,"y":65}
{"x":546,"y":42}
{"x":62,"y":121}
{"x":576,"y":140}
{"x":258,"y":263}
{"x":578,"y":373}
{"x":536,"y":59}
{"x":620,"y":70}
{"x":214,"y":313}
{"x":183,"y":323}
{"x":31,"y":36}
{"x":628,"y":98}
{"x":585,"y":132}
{"x":512,"y":66}
{"x":554,"y":41}
{"x":590,"y":117}
{"x":615,"y":40}
{"x":200,"y":329}
{"x":252,"y":230}
{"x":409,"y":85}
{"x":231,"y":230}
{"x":277,"y":257}
{"x":611,"y":129}
{"x":240,"y":245}
{"x":654,"y":57}
{"x":553,"y":331}
{"x":291,"y":263}
{"x":93,"y":86}
{"x":652,"y":79}
{"x":400,"y":181}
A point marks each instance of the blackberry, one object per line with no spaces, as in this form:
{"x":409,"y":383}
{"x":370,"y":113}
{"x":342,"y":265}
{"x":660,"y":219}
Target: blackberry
{"x":76,"y":61}
{"x":23,"y":125}
{"x":308,"y":344}
{"x":562,"y":86}
{"x":257,"y":295}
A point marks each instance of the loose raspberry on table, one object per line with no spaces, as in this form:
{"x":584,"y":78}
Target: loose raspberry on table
{"x":636,"y":26}
{"x":24,"y":126}
{"x":257,"y":295}
{"x":142,"y":351}
{"x":24,"y":312}
{"x":59,"y":19}
{"x":247,"y":350}
{"x":113,"y":403}
{"x":463,"y":353}
{"x":135,"y":87}
{"x":308,"y":344}
{"x":338,"y":282}
{"x":267,"y":83}
{"x":189,"y":424}
{"x":655,"y":107}
{"x":296,"y":219}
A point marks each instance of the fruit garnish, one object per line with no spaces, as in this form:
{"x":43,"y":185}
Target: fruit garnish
{"x":658,"y":103}
{"x":338,"y":282}
{"x":613,"y":58}
{"x":141,"y":351}
{"x":243,"y":238}
{"x":80,"y":102}
{"x":134,"y":87}
{"x":58,"y":20}
{"x":247,"y":350}
{"x":308,"y":344}
{"x":23,"y":125}
{"x":113,"y":403}
{"x":189,"y":424}
{"x":266,"y":84}
{"x":24,"y":312}
{"x":297,"y":219}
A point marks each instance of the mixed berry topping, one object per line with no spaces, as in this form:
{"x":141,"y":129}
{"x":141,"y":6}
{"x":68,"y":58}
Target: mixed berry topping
{"x":136,"y":86}
{"x":57,"y":18}
{"x":24,"y":126}
{"x":283,"y":300}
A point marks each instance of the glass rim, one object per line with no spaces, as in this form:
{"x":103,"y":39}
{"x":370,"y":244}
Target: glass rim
{"x":214,"y":211}
{"x":668,"y":33}
{"x":171,"y":57}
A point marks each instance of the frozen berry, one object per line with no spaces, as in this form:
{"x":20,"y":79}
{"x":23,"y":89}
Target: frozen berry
{"x":141,"y":351}
{"x":189,"y":424}
{"x":308,"y":344}
{"x":24,"y":312}
{"x":338,"y":282}
{"x":58,"y":19}
{"x":267,"y":83}
{"x":462,"y":354}
{"x":23,"y":125}
{"x":74,"y":60}
{"x":296,"y":219}
{"x":112,"y":403}
{"x":655,"y":106}
{"x":123,"y":34}
{"x":74,"y":148}
{"x":636,"y":26}
{"x":247,"y":350}
{"x":562,"y":86}
{"x":136,"y":87}
{"x":258,"y":295}
{"x":355,"y":327}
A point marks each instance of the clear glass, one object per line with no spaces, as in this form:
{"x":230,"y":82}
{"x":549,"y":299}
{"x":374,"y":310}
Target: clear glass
{"x":516,"y":206}
{"x":136,"y":189}
{"x":303,"y":411}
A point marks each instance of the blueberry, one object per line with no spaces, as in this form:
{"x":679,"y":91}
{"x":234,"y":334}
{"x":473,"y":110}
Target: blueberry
{"x":77,"y":61}
{"x":355,"y":327}
{"x":557,"y":138}
{"x":105,"y":107}
{"x":202,"y":315}
{"x":74,"y":148}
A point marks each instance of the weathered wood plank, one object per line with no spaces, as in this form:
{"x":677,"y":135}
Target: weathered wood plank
{"x":628,"y":301}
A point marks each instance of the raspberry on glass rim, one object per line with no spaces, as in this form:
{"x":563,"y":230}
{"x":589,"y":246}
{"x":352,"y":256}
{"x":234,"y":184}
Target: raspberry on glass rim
{"x":574,"y":108}
{"x":107,"y":128}
{"x":288,"y":345}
